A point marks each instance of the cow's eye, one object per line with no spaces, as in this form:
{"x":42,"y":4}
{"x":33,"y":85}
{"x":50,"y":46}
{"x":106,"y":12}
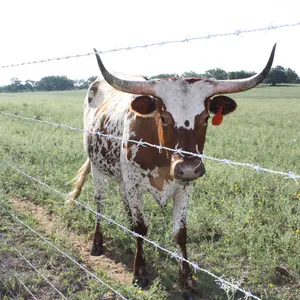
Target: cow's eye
{"x":206,"y":119}
{"x":164,"y":120}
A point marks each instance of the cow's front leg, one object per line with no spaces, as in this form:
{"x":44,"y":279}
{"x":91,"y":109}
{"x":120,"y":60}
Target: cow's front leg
{"x":186,"y":280}
{"x":97,"y":246}
{"x":133,"y":202}
{"x":139,"y":267}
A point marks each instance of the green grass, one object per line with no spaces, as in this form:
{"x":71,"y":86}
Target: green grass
{"x":242,"y":223}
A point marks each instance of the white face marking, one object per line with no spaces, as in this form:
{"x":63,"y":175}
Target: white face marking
{"x":184,"y":100}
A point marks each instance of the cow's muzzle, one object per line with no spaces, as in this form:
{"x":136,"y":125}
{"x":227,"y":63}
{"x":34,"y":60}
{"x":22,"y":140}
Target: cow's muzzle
{"x":188,"y":168}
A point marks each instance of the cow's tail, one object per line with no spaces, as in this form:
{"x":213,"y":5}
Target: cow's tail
{"x":79,"y":180}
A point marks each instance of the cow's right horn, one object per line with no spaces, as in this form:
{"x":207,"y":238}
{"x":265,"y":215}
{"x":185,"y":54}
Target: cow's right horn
{"x":126,"y":86}
{"x":240,"y":85}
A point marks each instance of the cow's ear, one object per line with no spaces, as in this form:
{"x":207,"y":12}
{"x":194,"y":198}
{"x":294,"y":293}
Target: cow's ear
{"x":143,"y":106}
{"x":228,"y":105}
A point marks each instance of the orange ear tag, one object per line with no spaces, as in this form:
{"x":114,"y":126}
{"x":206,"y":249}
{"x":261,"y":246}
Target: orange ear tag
{"x":218,"y":117}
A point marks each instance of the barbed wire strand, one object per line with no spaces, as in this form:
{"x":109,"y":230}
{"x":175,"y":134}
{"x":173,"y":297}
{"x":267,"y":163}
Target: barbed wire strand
{"x":21,"y":282}
{"x":5,"y":285}
{"x":26,"y":288}
{"x":81,"y":266}
{"x":195,"y":265}
{"x":161,"y":43}
{"x":256,"y":167}
{"x":31,"y":265}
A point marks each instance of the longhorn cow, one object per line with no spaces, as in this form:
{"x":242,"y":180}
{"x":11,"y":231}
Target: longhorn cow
{"x":171,"y":112}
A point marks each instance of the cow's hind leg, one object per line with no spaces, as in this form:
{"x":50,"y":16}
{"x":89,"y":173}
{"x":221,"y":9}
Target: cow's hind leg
{"x":133,"y":204}
{"x":186,"y":280}
{"x":97,"y":246}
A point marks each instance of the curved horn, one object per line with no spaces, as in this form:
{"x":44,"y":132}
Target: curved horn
{"x":132,"y":87}
{"x":240,"y":85}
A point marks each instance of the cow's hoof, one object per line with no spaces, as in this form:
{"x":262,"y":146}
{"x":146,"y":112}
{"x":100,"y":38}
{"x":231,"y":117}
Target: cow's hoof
{"x":192,"y":294}
{"x":141,"y":282}
{"x":96,"y":250}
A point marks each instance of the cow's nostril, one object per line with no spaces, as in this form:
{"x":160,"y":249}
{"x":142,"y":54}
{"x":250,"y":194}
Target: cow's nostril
{"x":197,"y":170}
{"x":200,"y":170}
{"x":180,"y":171}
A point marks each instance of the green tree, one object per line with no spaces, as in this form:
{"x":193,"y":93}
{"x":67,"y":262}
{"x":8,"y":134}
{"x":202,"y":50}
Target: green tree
{"x":81,"y":84}
{"x":55,"y":83}
{"x":276,"y":75}
{"x":30,"y":85}
{"x":164,"y":75}
{"x":91,"y":80}
{"x":218,"y":74}
{"x":239,"y":74}
{"x":291,"y":76}
{"x":15,"y":85}
{"x":192,"y":74}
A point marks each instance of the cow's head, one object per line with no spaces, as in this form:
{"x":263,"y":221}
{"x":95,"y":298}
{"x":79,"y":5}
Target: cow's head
{"x":181,"y":108}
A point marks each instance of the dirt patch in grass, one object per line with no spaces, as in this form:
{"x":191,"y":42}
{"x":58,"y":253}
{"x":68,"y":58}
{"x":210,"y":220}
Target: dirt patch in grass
{"x":116,"y":266}
{"x":52,"y":224}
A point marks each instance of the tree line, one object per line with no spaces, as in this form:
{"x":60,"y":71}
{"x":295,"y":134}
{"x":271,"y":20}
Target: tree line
{"x":48,"y":83}
{"x":277,"y":75}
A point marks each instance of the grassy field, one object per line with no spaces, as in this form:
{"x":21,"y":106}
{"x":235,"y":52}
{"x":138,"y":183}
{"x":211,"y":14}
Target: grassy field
{"x":242,"y":224}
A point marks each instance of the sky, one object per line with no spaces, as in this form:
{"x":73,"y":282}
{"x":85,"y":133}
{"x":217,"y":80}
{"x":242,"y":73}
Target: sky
{"x":34,"y":30}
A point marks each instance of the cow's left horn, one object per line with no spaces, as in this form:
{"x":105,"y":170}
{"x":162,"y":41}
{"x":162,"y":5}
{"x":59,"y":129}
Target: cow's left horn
{"x":240,"y":85}
{"x":127,"y":86}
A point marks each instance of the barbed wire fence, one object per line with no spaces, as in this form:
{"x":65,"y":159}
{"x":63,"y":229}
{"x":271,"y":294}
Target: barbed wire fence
{"x":8,"y":289}
{"x":30,"y":264}
{"x":172,"y":254}
{"x":141,"y":143}
{"x":194,"y":265}
{"x":221,"y":281}
{"x":81,"y":266}
{"x":23,"y":285}
{"x":162,"y":43}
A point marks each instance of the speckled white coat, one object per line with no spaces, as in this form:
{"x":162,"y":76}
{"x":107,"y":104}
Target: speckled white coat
{"x":111,"y":108}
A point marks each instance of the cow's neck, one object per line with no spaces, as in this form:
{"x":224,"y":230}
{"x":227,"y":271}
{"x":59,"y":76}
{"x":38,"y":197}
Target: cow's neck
{"x":152,"y":160}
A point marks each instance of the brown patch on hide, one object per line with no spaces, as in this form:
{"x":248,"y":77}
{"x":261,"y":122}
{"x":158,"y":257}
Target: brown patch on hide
{"x":94,"y":87}
{"x":192,"y":80}
{"x":163,"y":177}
